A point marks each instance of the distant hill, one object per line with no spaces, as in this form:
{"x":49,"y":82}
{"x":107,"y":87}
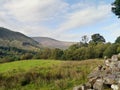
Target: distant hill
{"x":16,"y":39}
{"x":52,"y":43}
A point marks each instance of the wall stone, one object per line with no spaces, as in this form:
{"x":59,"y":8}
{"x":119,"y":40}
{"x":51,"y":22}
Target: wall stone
{"x":106,"y":76}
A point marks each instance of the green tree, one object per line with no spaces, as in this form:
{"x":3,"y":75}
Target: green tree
{"x":79,"y":54}
{"x":117,"y":40}
{"x":85,"y":39}
{"x":89,"y":52}
{"x":26,"y":56}
{"x":116,"y":8}
{"x":74,"y":46}
{"x":68,"y":54}
{"x":57,"y":54}
{"x":118,"y":49}
{"x":97,"y":38}
{"x":46,"y":53}
{"x":112,"y":49}
{"x":100,"y":48}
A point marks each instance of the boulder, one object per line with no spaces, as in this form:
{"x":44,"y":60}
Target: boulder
{"x":107,"y":62}
{"x":114,"y":58}
{"x":98,"y":85}
{"x":118,"y":65}
{"x":109,"y":79}
{"x":115,"y":87}
{"x":86,"y":86}
{"x":81,"y":87}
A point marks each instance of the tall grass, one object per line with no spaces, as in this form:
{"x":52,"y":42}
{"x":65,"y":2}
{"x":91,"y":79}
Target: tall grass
{"x":45,"y":75}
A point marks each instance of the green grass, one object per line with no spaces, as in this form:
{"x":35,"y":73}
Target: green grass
{"x":45,"y":74}
{"x":27,"y":65}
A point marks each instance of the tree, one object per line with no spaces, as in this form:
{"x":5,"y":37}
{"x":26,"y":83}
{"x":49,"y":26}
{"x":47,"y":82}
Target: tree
{"x":112,"y":49}
{"x":89,"y":52}
{"x":79,"y":54}
{"x":118,"y":49}
{"x":74,"y":46}
{"x":46,"y":53}
{"x":26,"y":56}
{"x":100,"y":48}
{"x":97,"y":38}
{"x":57,"y":54}
{"x":85,"y":39}
{"x":116,"y":8}
{"x":117,"y":40}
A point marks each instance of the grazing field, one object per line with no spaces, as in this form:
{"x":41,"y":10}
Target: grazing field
{"x":45,"y":74}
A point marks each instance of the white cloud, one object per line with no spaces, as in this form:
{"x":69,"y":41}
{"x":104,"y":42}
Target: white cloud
{"x":71,"y":36}
{"x":27,"y":29}
{"x":37,"y":31}
{"x":114,"y":29}
{"x":85,"y":16}
{"x":112,"y":26}
{"x":35,"y":10}
{"x":30,"y":17}
{"x":2,"y":19}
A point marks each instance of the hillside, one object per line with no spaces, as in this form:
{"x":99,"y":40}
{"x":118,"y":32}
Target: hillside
{"x":45,"y":74}
{"x":16,"y":39}
{"x":52,"y":43}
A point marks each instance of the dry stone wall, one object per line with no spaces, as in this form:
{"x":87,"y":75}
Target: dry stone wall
{"x":104,"y":77}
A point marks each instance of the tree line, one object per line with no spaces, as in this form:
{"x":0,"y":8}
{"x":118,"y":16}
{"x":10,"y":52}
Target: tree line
{"x":8,"y":54}
{"x":97,"y":47}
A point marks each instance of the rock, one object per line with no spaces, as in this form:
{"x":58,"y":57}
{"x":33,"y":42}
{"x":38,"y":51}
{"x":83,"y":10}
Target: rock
{"x":114,"y":58}
{"x":115,"y":87}
{"x":117,"y":80}
{"x":107,"y":62}
{"x":107,"y":71}
{"x":88,"y":85}
{"x":112,"y":64}
{"x":96,"y":72}
{"x":105,"y":57}
{"x":77,"y":88}
{"x":98,"y":84}
{"x":109,"y":79}
{"x":118,"y":64}
{"x":81,"y":87}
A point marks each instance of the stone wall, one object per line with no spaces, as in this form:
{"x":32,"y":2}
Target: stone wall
{"x":104,"y":77}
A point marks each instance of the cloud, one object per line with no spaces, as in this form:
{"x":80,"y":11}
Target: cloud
{"x":113,"y":28}
{"x":28,"y":30}
{"x":85,"y":17}
{"x":35,"y":10}
{"x":37,"y":31}
{"x":50,"y":18}
{"x":71,"y":36}
{"x":2,"y":19}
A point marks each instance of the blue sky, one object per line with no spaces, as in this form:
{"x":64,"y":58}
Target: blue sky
{"x":66,"y":20}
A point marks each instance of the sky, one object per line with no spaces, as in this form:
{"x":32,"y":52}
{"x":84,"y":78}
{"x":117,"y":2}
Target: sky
{"x":65,"y":20}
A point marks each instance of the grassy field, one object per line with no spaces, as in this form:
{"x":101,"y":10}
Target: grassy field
{"x":45,"y":74}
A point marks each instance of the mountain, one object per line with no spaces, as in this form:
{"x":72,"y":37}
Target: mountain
{"x":16,"y":39}
{"x":52,"y":43}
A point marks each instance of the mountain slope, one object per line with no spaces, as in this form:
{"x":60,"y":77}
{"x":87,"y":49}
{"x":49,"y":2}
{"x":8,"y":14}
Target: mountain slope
{"x":52,"y":43}
{"x":16,"y":39}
